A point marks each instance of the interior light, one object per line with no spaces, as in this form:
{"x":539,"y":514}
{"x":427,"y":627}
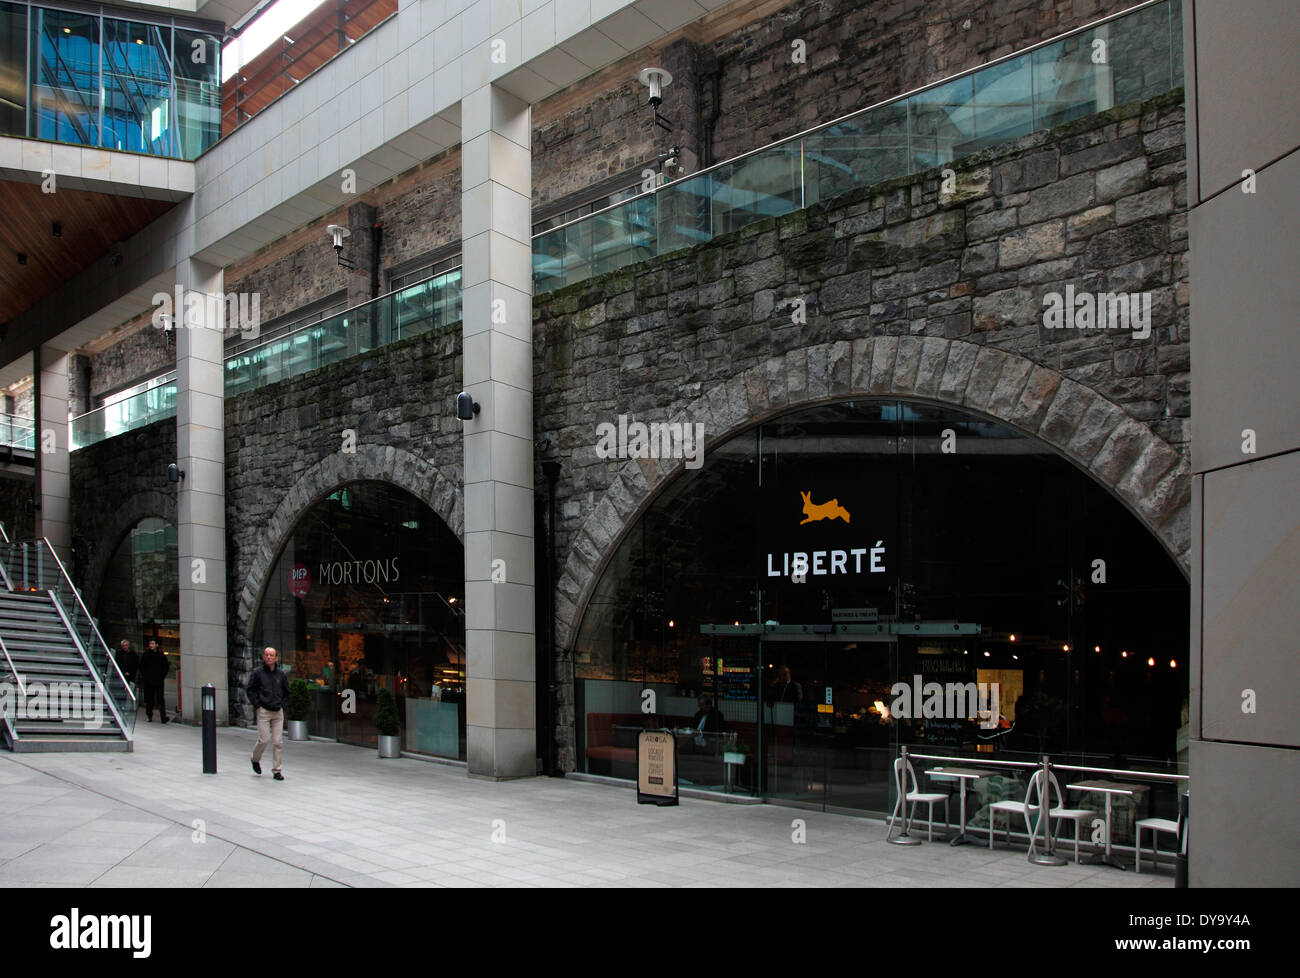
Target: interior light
{"x":1173,"y":663}
{"x":736,"y":623}
{"x":1151,"y":661}
{"x":1014,"y":656}
{"x":671,"y":623}
{"x":1013,"y":637}
{"x":987,"y":653}
{"x":1065,"y":648}
{"x":67,"y":30}
{"x":452,"y":601}
{"x":1124,"y":654}
{"x":1096,"y":648}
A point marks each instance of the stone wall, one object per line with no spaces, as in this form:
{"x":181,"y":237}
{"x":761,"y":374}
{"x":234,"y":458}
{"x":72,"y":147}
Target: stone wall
{"x":143,"y":353}
{"x":906,"y":294}
{"x":115,"y":484}
{"x":16,"y":494}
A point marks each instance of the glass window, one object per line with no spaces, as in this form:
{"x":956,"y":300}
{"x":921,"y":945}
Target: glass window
{"x":13,"y":70}
{"x":197,"y":60}
{"x":137,"y":88}
{"x":65,"y":76}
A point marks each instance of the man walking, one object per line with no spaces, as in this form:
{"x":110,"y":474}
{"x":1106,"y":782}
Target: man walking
{"x":268,"y":691}
{"x":154,"y":668}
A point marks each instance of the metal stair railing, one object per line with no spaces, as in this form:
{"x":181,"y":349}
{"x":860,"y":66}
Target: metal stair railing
{"x":22,"y":689}
{"x":81,"y":624}
{"x":94,"y":673}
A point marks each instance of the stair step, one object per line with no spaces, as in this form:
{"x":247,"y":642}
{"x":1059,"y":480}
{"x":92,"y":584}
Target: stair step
{"x":60,"y":745}
{"x":45,"y":728}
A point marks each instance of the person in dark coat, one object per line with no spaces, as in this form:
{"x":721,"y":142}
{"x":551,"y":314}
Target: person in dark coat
{"x":154,"y":668}
{"x":128,"y":660}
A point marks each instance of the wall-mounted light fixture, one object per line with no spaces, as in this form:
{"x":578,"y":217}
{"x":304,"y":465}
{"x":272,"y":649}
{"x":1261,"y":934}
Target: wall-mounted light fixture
{"x":466,"y":407}
{"x":175,"y":473}
{"x":656,"y":79}
{"x":337,"y":233}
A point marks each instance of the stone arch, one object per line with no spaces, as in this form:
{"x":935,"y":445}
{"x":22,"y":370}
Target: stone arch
{"x":368,"y":463}
{"x":1148,"y":476}
{"x":138,"y":506}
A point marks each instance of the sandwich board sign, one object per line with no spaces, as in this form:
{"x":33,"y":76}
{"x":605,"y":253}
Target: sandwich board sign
{"x":656,"y":768}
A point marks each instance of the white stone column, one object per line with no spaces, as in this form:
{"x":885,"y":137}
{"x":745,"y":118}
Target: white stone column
{"x":53,"y":488}
{"x":201,"y":495}
{"x":496,"y":211}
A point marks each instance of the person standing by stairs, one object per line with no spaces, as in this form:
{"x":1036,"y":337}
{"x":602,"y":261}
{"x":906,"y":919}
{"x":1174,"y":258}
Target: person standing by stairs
{"x":128,"y":660}
{"x":154,"y":668}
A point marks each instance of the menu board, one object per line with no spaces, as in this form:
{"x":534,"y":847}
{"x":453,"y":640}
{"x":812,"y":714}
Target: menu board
{"x":656,"y":768}
{"x":736,"y":679}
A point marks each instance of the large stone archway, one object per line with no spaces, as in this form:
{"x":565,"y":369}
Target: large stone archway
{"x":139,"y":506}
{"x":367,"y":464}
{"x":1140,"y":469}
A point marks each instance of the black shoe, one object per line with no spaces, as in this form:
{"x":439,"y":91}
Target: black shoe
{"x":257,"y":768}
{"x":149,"y":717}
{"x":278,"y":776}
{"x":164,"y":719}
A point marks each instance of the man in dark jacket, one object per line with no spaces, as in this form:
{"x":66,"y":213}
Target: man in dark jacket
{"x":128,"y":660}
{"x":268,"y":691}
{"x":154,"y":668}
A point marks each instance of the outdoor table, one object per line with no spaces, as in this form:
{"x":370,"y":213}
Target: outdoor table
{"x":1109,"y":789}
{"x":961,"y":774}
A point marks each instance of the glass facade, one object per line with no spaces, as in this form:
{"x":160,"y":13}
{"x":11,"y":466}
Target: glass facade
{"x":140,"y":85}
{"x":935,"y":547}
{"x":368,"y":595}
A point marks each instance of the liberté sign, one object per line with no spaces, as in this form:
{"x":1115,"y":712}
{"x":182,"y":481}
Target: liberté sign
{"x":848,"y":560}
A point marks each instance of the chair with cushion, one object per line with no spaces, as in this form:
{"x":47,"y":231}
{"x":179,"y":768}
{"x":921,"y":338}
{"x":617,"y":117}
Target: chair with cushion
{"x":917,"y":797}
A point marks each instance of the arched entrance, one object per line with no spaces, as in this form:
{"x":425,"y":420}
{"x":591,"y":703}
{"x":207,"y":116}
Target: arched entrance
{"x":367,"y":595}
{"x":821,"y":558}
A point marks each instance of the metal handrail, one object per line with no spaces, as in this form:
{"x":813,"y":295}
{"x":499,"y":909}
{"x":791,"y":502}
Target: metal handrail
{"x":95,"y":628}
{"x":21,"y":688}
{"x":980,"y":762}
{"x":857,"y":112}
{"x":94,"y":673}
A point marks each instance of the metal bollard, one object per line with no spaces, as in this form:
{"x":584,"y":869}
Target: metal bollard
{"x":1180,"y":861}
{"x":209,"y":729}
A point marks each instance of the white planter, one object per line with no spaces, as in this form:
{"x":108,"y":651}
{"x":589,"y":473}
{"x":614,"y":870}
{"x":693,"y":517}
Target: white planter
{"x":733,"y":757}
{"x":297,"y":729}
{"x":390,"y":746}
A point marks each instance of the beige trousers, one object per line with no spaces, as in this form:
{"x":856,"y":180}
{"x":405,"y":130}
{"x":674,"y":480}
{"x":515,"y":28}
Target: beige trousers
{"x":270,"y":726}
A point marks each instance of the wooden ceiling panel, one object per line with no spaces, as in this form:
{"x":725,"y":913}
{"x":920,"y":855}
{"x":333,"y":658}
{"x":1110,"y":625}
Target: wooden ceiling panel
{"x":91,"y":224}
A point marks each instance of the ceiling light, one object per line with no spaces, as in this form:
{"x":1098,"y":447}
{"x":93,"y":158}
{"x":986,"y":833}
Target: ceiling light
{"x":1151,"y":661}
{"x":1173,"y":663}
{"x":1013,"y":636}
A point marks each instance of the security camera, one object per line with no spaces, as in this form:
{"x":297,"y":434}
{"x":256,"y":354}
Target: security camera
{"x":466,"y":407}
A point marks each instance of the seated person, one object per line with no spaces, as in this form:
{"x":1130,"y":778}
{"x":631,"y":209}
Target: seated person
{"x":707,"y":719}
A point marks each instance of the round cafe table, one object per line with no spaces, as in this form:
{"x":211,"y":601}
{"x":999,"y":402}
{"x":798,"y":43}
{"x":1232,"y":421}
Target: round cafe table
{"x":963,"y":775}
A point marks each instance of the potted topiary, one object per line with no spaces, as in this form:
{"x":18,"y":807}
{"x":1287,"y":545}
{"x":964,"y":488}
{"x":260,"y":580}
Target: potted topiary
{"x":298,"y":710}
{"x":390,"y":744}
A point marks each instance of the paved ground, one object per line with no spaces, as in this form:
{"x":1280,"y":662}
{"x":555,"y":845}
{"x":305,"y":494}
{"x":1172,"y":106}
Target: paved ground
{"x":344,"y":817}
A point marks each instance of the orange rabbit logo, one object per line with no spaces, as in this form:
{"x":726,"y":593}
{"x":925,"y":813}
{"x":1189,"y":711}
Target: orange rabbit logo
{"x":812,"y":512}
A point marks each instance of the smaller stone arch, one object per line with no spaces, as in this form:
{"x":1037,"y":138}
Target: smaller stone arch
{"x":369,"y":463}
{"x":139,"y":506}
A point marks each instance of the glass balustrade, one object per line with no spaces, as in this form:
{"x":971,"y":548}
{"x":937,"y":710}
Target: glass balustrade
{"x":1132,"y":56}
{"x":427,"y":305}
{"x":17,"y":433}
{"x":125,"y":415}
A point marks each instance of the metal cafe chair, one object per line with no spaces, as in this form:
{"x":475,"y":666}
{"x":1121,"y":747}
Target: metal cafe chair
{"x":1027,"y":807}
{"x":1156,"y":826}
{"x":917,"y":797}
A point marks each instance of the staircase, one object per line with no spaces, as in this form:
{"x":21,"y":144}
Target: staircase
{"x":60,"y":689}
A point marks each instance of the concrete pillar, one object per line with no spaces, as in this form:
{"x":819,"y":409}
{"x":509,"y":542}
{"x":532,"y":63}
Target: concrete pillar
{"x":496,"y":175}
{"x":53,"y":479}
{"x":201,"y":495}
{"x":78,"y":384}
{"x":366,"y":332}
